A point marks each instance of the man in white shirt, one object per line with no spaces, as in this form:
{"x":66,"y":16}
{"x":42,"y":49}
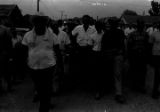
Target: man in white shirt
{"x":83,"y":38}
{"x":41,"y":59}
{"x":63,"y":43}
{"x":96,"y":59}
{"x":83,"y":32}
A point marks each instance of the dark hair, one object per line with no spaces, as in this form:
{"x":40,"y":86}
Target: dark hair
{"x":40,"y":23}
{"x":86,"y":19}
{"x":140,"y":24}
{"x":55,"y":28}
{"x":113,"y":22}
{"x":99,"y":26}
{"x":60,"y":23}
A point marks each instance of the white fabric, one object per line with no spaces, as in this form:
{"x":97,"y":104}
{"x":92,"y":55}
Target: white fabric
{"x":151,"y":30}
{"x":155,"y":40}
{"x":63,"y":39}
{"x":41,"y":54}
{"x":83,"y":37}
{"x":96,"y":38}
{"x":127,"y":31}
{"x":16,"y":40}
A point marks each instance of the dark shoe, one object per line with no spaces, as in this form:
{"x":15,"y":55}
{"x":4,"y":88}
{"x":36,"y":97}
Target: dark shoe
{"x":140,"y":90}
{"x":120,"y":99}
{"x":11,"y":90}
{"x":155,"y":95}
{"x":51,"y":106}
{"x":35,"y":98}
{"x":98,"y":96}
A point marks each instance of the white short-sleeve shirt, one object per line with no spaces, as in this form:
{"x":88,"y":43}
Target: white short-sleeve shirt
{"x":128,"y":31}
{"x":41,"y":52}
{"x":83,"y":37}
{"x":97,"y":38}
{"x":155,"y":40}
{"x":63,"y":39}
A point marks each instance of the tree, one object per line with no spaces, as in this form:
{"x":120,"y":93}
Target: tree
{"x":155,"y":9}
{"x":129,"y":12}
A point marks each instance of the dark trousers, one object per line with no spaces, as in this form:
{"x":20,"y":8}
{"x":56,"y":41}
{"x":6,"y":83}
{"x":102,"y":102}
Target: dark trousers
{"x":138,"y":68}
{"x":43,"y":84}
{"x":97,"y":75}
{"x":113,"y":64}
{"x":156,"y":64}
{"x":5,"y":74}
{"x":84,"y":66}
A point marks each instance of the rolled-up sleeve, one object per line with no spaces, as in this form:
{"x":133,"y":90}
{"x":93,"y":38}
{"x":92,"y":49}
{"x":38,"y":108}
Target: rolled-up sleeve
{"x":75,"y":31}
{"x":25,"y":41}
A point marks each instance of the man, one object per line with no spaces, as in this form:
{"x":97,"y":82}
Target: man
{"x":154,"y":40}
{"x":96,"y":59}
{"x":113,"y":50}
{"x":41,"y":42}
{"x":5,"y":55}
{"x":84,"y":45}
{"x":63,"y":42}
{"x":138,"y":56}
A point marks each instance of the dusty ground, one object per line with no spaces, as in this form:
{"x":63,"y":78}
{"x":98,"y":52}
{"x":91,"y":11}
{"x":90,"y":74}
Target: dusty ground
{"x":77,"y":101}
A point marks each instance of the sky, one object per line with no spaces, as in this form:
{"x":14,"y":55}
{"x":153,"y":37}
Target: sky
{"x":73,"y":8}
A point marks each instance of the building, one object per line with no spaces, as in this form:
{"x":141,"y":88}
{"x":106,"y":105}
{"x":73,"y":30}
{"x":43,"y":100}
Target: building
{"x":11,"y":15}
{"x":149,"y":20}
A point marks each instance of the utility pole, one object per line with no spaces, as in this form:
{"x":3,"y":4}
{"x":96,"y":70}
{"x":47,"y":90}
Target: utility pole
{"x":38,"y":5}
{"x":62,"y":14}
{"x":97,"y":18}
{"x":143,"y":13}
{"x":65,"y":16}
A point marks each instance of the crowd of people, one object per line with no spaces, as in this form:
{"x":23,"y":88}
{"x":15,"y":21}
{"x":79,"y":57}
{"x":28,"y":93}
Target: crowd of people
{"x":92,"y":51}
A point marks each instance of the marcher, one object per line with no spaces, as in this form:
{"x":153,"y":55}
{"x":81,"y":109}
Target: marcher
{"x":18,"y":64}
{"x":84,"y":47}
{"x":63,"y":42}
{"x":5,"y":56}
{"x":155,"y":43}
{"x":96,"y":60}
{"x":138,"y":56}
{"x":113,"y":53}
{"x":41,"y":42}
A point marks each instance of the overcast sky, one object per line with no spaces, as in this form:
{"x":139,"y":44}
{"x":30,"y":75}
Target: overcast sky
{"x":72,"y":8}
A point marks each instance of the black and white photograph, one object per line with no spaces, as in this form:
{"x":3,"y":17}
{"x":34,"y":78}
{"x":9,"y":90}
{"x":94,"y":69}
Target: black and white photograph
{"x":79,"y":55}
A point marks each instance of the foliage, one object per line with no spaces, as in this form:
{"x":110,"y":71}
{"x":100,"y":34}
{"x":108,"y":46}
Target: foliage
{"x":129,"y":12}
{"x":155,"y":9}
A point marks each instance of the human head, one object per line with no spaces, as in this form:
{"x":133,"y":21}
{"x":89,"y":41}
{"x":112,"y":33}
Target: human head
{"x":86,"y":19}
{"x":113,"y":22}
{"x":60,"y":23}
{"x":140,"y":25}
{"x":157,"y":25}
{"x":99,"y":26}
{"x":40,"y":23}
